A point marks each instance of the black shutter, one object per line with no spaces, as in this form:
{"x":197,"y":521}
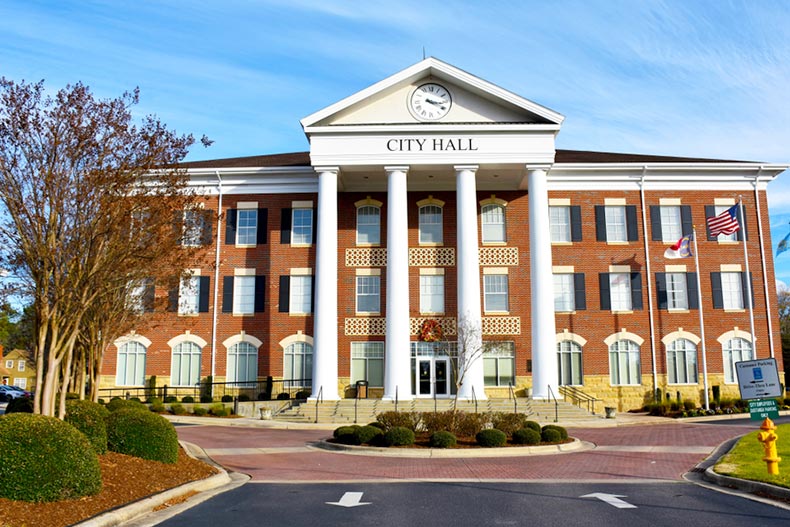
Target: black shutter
{"x":631,"y":224}
{"x":600,"y":223}
{"x":263,"y":225}
{"x":687,"y":224}
{"x":230,"y":226}
{"x":260,"y":293}
{"x":691,"y":289}
{"x":227,"y":294}
{"x":172,"y":299}
{"x":580,"y":295}
{"x":636,"y":291}
{"x":655,"y":223}
{"x":718,"y":297}
{"x":710,"y":211}
{"x":285,"y":294}
{"x":742,"y":232}
{"x":207,"y":218}
{"x":606,"y":302}
{"x":285,"y":226}
{"x":745,"y":293}
{"x":178,"y":226}
{"x":148,"y":295}
{"x":312,"y":294}
{"x":661,"y":290}
{"x":314,"y":213}
{"x":576,"y":223}
{"x":205,"y":285}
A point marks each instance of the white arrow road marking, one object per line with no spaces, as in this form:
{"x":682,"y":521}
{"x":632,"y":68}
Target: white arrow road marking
{"x":612,"y":499}
{"x":349,"y":499}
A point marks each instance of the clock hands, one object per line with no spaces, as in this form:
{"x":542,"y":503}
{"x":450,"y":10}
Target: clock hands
{"x":440,"y":104}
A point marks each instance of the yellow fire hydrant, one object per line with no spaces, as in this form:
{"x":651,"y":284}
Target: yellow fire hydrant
{"x":768,"y":438}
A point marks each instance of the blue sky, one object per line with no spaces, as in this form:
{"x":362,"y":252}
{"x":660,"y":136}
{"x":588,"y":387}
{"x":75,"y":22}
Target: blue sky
{"x":703,"y":78}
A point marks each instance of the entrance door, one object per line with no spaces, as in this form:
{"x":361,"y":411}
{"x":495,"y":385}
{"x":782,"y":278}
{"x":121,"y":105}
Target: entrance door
{"x":433,"y":377}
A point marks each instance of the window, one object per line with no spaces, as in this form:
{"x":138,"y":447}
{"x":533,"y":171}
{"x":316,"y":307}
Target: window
{"x":189,"y":295}
{"x":9,"y":364}
{"x":732,"y":290}
{"x":564,"y":293}
{"x":431,"y":294}
{"x":560,"y":224}
{"x":242,"y":363}
{"x":499,"y":359}
{"x":20,"y":382}
{"x":368,"y":294}
{"x":195,"y":227}
{"x":185,"y":369}
{"x":727,"y":237}
{"x":367,"y":363}
{"x":569,"y":356}
{"x":243,"y":295}
{"x":140,"y":298}
{"x":493,"y":223}
{"x":671,"y":224}
{"x":298,"y":369}
{"x":20,"y":365}
{"x":624,"y":366}
{"x":131,"y":364}
{"x":620,"y":291}
{"x":369,"y":225}
{"x":616,"y":230}
{"x":302,"y":227}
{"x":495,"y":287}
{"x":735,"y":350}
{"x":677,"y":297}
{"x":430,"y":219}
{"x":682,"y":362}
{"x":246,"y":226}
{"x":301,"y":294}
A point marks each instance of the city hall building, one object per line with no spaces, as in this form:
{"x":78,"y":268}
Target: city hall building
{"x":434,"y":204}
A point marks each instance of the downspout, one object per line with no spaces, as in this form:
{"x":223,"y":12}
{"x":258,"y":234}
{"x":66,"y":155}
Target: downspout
{"x":649,"y":282}
{"x":216,"y":282}
{"x":762,"y":260}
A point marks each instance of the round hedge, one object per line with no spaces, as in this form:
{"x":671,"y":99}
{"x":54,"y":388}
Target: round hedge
{"x":526,"y":436}
{"x":45,"y":459}
{"x":534,"y":425}
{"x":399,"y":436}
{"x":346,"y":435}
{"x":122,"y":404}
{"x":561,"y":429}
{"x":366,"y":434}
{"x":442,"y":439}
{"x":491,"y":437}
{"x":142,"y":434}
{"x":551,"y":435}
{"x":90,"y":419}
{"x":20,"y":405}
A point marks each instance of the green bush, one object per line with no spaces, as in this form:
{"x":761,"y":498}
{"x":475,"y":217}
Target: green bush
{"x":367,"y":434}
{"x":534,"y":425}
{"x":688,"y":404}
{"x":526,"y":436}
{"x":142,"y":434}
{"x":550,"y":435}
{"x":199,"y":411}
{"x":399,"y":436}
{"x":390,"y":420}
{"x":131,"y":399}
{"x":45,"y":459}
{"x":377,"y":425}
{"x":178,"y":409}
{"x":219,"y":410}
{"x":90,"y":419}
{"x":491,"y":437}
{"x":470,"y":424}
{"x":302,"y":394}
{"x":508,"y":422}
{"x":284,"y":396}
{"x":157,"y":406}
{"x":346,"y":435}
{"x":188,"y":399}
{"x":442,"y":439}
{"x":20,"y":405}
{"x":205,"y":398}
{"x":123,"y":404}
{"x":439,"y":421}
{"x":227,"y":398}
{"x":243,"y":398}
{"x":171,"y":399}
{"x":561,"y":429}
{"x":71,"y":396}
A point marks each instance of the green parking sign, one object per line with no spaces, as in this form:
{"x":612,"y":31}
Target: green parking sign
{"x":759,"y":409}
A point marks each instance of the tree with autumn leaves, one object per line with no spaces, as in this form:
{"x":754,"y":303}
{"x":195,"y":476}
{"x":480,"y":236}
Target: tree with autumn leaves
{"x":88,"y":199}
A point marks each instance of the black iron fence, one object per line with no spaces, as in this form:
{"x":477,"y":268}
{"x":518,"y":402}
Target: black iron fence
{"x":205,"y":391}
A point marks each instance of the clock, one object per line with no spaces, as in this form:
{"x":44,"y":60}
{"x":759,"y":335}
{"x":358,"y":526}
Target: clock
{"x":430,"y":102}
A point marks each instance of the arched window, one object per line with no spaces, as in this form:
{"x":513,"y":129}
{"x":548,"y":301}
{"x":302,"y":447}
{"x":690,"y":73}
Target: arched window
{"x":242,"y":363}
{"x":569,"y":356}
{"x":369,"y":225}
{"x":493,"y":220}
{"x":681,"y":362}
{"x":131,"y":364}
{"x":735,"y":350}
{"x":624,"y":363}
{"x":430,"y":219}
{"x":298,"y":368}
{"x":185,"y":369}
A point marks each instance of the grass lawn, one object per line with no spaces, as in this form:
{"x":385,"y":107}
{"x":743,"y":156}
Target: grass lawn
{"x":745,"y":461}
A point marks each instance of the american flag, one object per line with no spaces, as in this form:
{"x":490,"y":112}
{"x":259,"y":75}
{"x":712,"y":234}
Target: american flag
{"x":724,"y":223}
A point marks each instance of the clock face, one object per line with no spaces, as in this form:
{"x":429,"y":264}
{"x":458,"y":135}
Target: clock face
{"x":430,"y":102}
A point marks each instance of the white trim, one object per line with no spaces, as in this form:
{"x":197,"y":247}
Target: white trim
{"x":614,"y":202}
{"x":186,"y":337}
{"x":619,"y":268}
{"x":668,"y":202}
{"x":431,"y":271}
{"x":299,"y":337}
{"x":730,"y":268}
{"x":368,"y":272}
{"x":723,"y":202}
{"x":563,"y":269}
{"x":495,"y":270}
{"x":735,"y":334}
{"x":493,"y":200}
{"x":241,"y":337}
{"x":623,"y":335}
{"x":675,"y":269}
{"x":573,"y":337}
{"x":246,"y":205}
{"x":244,"y":272}
{"x":301,"y":204}
{"x":680,"y":334}
{"x":368,"y":202}
{"x":430,"y":200}
{"x":132,"y":337}
{"x":559,"y":202}
{"x":301,"y":271}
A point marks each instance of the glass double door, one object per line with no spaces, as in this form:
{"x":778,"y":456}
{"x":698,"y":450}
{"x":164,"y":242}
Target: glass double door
{"x":433,"y":377}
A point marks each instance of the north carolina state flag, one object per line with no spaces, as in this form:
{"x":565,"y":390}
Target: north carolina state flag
{"x":682,"y":249}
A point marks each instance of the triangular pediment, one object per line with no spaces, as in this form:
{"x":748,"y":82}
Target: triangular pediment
{"x":474,"y":102}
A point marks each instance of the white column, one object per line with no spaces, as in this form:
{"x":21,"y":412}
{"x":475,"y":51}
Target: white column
{"x":544,"y":346}
{"x":470,"y":334}
{"x":325,"y":320}
{"x":397,"y":361}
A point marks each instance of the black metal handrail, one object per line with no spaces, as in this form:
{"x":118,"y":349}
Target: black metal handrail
{"x":578,"y":397}
{"x":318,"y":400}
{"x":512,"y":395}
{"x":474,"y":397}
{"x":556,"y":404}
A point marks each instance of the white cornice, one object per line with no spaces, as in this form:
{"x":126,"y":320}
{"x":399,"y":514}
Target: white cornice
{"x":419,"y":128}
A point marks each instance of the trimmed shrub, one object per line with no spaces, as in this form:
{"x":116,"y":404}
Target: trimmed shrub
{"x":508,"y":422}
{"x":439,"y":421}
{"x":178,"y":409}
{"x":243,"y":398}
{"x":534,"y":425}
{"x":302,"y":394}
{"x":20,"y":405}
{"x":377,"y":425}
{"x":263,"y":396}
{"x":284,"y":396}
{"x":205,"y":398}
{"x":45,"y":459}
{"x":123,"y":404}
{"x":442,"y":439}
{"x":171,"y":399}
{"x":366,"y":434}
{"x":550,"y":435}
{"x":688,"y":405}
{"x":470,"y":424}
{"x":526,"y":436}
{"x":90,"y":419}
{"x":71,"y":396}
{"x":188,"y":399}
{"x":491,"y":437}
{"x":157,"y":405}
{"x":561,"y":429}
{"x":390,"y":420}
{"x":131,"y":399}
{"x":219,"y":410}
{"x":227,"y":398}
{"x":346,"y":435}
{"x":399,"y":436}
{"x":142,"y":434}
{"x":199,"y":411}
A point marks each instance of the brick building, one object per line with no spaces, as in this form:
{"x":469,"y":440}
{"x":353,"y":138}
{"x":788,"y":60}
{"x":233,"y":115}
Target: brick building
{"x":434,"y":195}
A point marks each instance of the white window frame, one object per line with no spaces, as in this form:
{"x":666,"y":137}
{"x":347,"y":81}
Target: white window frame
{"x":303,"y":350}
{"x":625,"y":367}
{"x":300,"y":294}
{"x":671,"y":223}
{"x":677,"y":291}
{"x":367,"y":363}
{"x":560,"y":223}
{"x":570,"y":363}
{"x":20,"y":365}
{"x":189,"y":295}
{"x":242,"y":358}
{"x":246,"y":227}
{"x":725,"y":237}
{"x":620,"y":292}
{"x":496,"y":293}
{"x":734,"y":350}
{"x":499,"y":363}
{"x":732,"y":290}
{"x":431,"y":232}
{"x":369,"y":225}
{"x":243,"y":295}
{"x":564,"y":293}
{"x":431,"y":293}
{"x":302,"y":226}
{"x":192,"y":227}
{"x":682,"y":362}
{"x":368,"y":290}
{"x":9,"y":364}
{"x":133,"y":352}
{"x":493,"y":223}
{"x":193,"y":354}
{"x":616,"y":223}
{"x":20,"y":382}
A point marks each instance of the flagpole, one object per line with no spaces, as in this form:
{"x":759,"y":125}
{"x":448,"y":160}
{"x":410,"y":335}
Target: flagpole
{"x":701,"y":324}
{"x":747,"y":278}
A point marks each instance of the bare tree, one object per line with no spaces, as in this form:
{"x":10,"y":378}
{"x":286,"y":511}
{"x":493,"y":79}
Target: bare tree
{"x":464,"y":351}
{"x":88,"y":199}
